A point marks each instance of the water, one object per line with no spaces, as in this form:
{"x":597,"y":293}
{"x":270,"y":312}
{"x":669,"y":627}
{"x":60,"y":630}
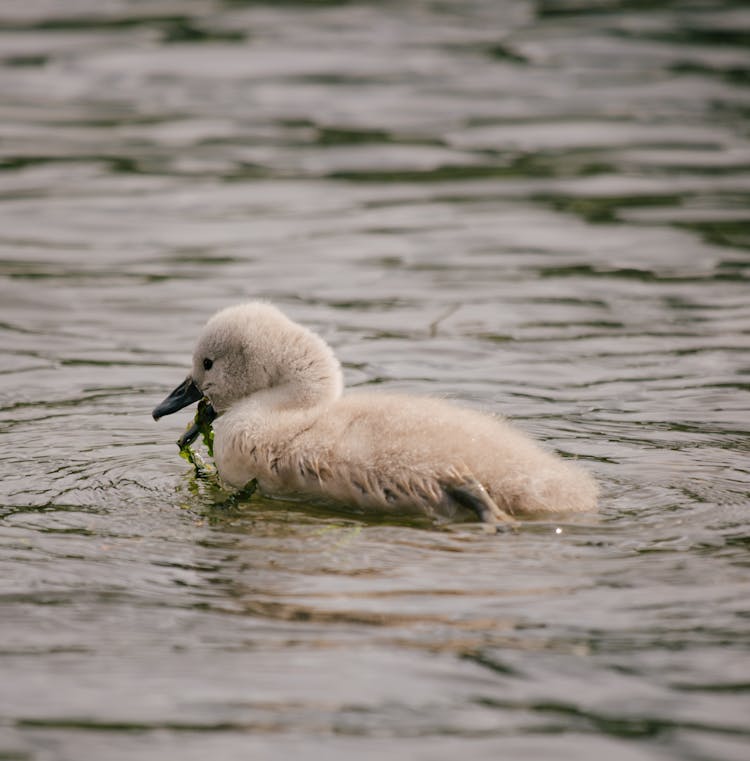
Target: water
{"x":538,"y":208}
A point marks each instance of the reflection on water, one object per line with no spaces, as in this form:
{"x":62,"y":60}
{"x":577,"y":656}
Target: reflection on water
{"x":540,"y":208}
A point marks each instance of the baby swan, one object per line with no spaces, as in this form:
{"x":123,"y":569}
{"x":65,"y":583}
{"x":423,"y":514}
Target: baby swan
{"x":276,"y":388}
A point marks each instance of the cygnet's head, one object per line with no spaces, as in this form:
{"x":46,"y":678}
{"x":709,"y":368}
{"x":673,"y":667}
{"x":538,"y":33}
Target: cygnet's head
{"x":252,"y":348}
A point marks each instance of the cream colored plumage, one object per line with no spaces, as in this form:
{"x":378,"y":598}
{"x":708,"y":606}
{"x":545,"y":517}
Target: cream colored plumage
{"x":283,"y":420}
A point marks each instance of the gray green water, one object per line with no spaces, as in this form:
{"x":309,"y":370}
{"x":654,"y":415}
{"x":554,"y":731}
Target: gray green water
{"x":541,"y":208}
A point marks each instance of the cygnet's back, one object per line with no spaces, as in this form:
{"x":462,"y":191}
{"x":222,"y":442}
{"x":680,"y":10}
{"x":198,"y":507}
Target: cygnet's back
{"x":283,"y":421}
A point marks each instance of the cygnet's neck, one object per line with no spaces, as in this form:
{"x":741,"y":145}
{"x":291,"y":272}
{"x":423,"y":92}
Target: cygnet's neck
{"x":295,"y":395}
{"x":307,"y":378}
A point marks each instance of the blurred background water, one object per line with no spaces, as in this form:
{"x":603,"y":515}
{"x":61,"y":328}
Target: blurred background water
{"x":538,"y":207}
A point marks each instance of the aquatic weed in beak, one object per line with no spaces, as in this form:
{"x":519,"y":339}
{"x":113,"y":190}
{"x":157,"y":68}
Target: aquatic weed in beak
{"x":185,"y":394}
{"x":201,"y":426}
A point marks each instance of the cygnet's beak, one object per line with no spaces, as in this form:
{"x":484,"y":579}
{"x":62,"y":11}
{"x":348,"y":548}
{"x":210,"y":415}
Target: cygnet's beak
{"x":186,"y":393}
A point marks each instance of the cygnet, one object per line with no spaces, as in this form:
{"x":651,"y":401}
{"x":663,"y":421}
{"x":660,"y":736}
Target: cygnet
{"x":282,"y":418}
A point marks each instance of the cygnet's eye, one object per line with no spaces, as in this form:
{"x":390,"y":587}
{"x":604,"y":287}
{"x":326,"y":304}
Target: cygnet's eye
{"x":208,"y":363}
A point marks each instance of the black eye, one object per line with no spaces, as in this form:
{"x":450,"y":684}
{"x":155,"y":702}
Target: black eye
{"x":208,"y":363}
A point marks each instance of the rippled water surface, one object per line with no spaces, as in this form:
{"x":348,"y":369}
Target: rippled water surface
{"x":541,"y":208}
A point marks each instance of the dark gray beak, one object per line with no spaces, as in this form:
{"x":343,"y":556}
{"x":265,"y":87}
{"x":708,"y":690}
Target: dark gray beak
{"x":186,"y":393}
